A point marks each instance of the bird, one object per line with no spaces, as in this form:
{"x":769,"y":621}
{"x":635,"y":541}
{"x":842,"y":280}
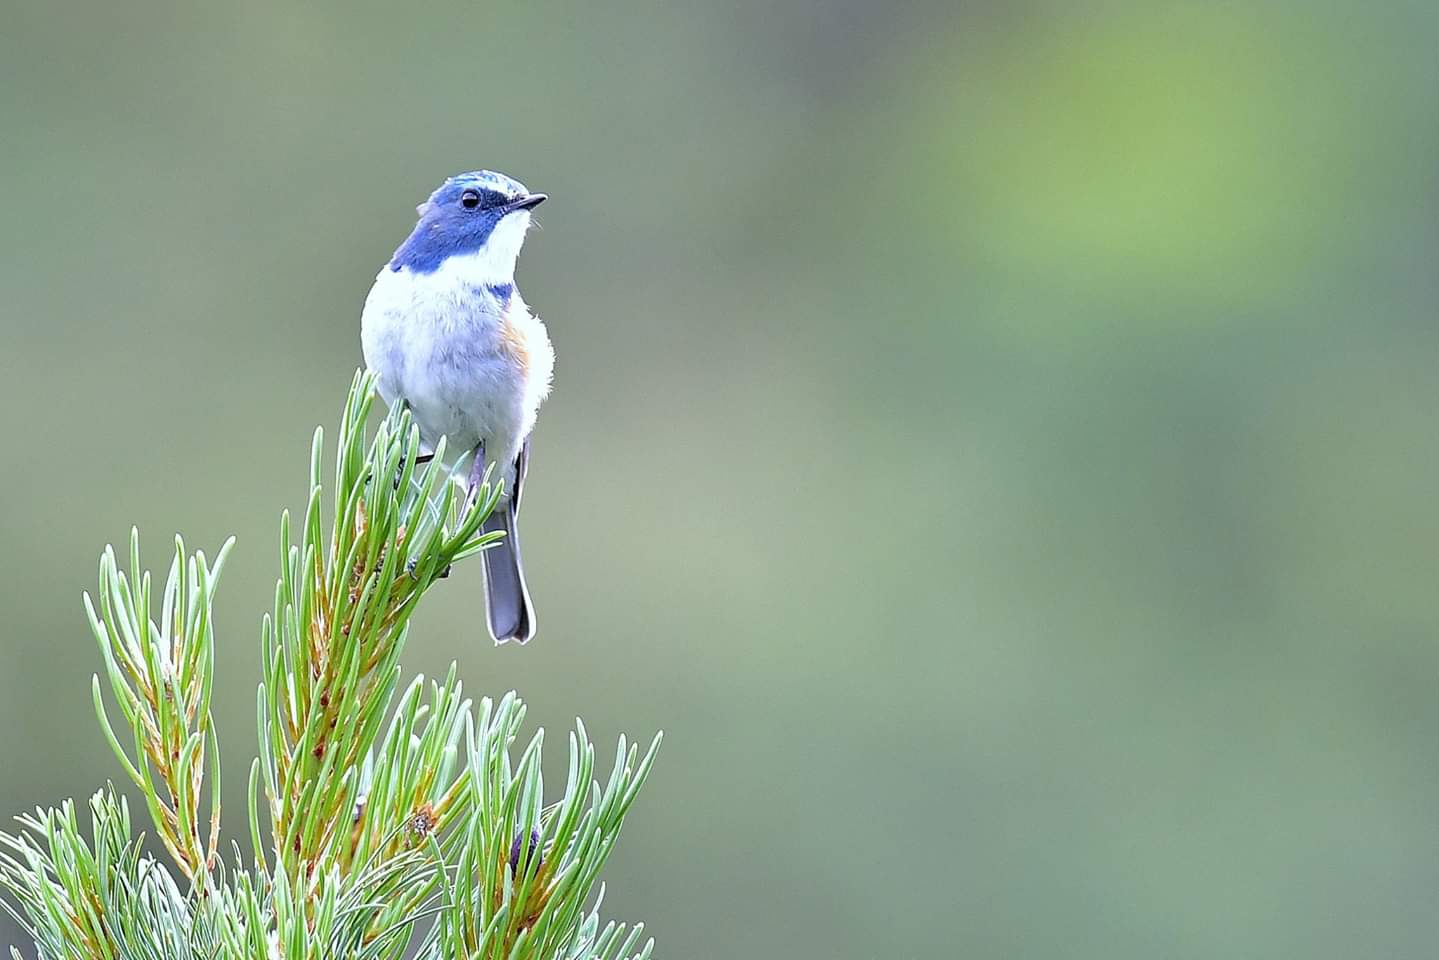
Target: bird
{"x":445,"y":330}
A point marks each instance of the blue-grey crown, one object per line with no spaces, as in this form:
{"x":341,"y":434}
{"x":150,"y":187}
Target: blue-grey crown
{"x":447,"y":226}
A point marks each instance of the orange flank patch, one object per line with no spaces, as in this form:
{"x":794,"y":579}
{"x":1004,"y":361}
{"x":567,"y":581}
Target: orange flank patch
{"x":513,"y":342}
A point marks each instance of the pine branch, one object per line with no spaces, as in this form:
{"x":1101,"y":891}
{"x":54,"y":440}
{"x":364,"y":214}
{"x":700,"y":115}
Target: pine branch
{"x":342,"y":606}
{"x":162,"y":675}
{"x":381,"y":826}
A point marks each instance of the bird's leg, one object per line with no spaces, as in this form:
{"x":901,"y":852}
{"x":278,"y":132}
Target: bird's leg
{"x":420,"y":460}
{"x":477,"y":469}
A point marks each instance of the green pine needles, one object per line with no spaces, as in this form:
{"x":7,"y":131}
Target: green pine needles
{"x":384,"y":822}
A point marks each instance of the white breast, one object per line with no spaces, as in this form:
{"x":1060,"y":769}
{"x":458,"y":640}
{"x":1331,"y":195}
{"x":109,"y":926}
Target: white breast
{"x":471,"y":368}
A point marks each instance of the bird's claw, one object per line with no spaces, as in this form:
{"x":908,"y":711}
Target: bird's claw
{"x":420,"y":460}
{"x":442,"y":575}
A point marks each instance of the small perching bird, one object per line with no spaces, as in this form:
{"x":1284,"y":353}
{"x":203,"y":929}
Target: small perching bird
{"x":445,"y":330}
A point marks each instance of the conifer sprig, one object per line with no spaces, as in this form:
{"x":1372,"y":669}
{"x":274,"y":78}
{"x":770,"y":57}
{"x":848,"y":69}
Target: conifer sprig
{"x":382,"y":824}
{"x":161,"y":674}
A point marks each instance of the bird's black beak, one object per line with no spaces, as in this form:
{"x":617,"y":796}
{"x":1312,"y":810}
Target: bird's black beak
{"x":528,"y":202}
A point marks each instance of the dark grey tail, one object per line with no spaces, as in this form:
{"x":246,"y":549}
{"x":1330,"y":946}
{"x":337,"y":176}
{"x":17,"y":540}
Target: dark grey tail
{"x":507,"y":599}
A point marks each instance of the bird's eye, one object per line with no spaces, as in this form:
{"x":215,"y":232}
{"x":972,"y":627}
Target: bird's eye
{"x":470,"y":199}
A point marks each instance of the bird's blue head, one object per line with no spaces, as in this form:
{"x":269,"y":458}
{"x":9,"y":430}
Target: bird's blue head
{"x":481,"y":215}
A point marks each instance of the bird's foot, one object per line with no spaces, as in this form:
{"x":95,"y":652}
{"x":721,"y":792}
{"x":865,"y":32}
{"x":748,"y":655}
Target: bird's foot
{"x":442,"y":575}
{"x":420,"y":460}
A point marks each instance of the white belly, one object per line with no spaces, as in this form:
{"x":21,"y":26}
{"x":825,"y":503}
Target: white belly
{"x":472,"y":369}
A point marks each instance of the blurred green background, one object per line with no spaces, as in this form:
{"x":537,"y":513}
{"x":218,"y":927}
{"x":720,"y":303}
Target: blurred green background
{"x":995,"y":441}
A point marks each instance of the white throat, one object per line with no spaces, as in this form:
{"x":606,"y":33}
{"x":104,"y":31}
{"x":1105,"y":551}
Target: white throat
{"x":495,"y":261}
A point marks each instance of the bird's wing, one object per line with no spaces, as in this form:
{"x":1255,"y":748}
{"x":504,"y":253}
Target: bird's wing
{"x":522,"y":466}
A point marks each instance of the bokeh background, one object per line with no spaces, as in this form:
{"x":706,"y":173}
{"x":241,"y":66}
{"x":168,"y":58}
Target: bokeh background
{"x":995,"y":441}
